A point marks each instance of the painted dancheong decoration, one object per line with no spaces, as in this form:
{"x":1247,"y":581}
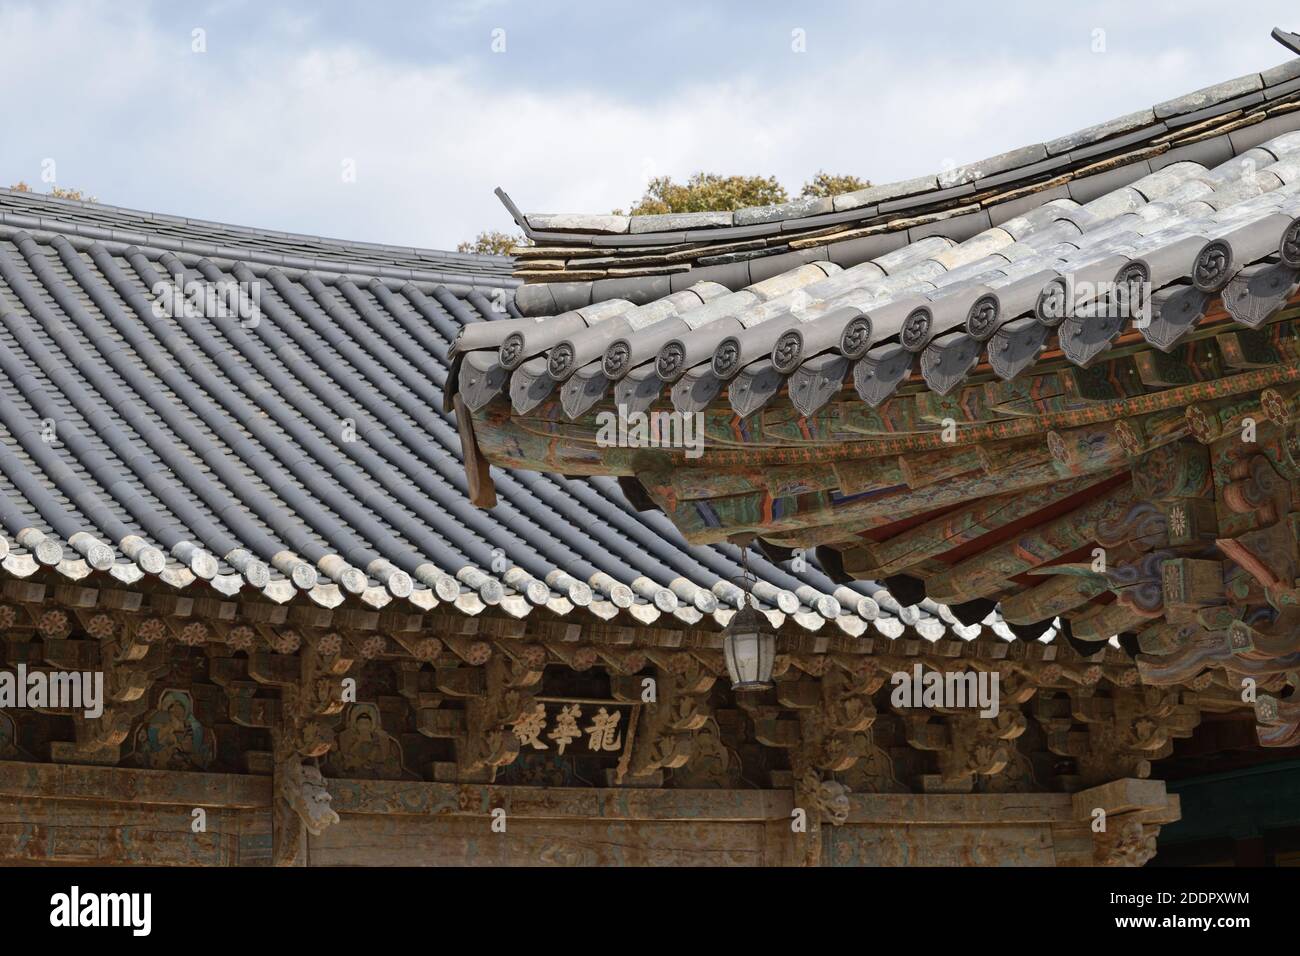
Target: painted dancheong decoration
{"x":1057,"y":390}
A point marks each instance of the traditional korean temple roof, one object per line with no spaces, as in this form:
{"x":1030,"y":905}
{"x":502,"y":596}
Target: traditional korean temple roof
{"x":1183,"y":196}
{"x":1061,"y":383}
{"x":301,"y":449}
{"x":247,"y":478}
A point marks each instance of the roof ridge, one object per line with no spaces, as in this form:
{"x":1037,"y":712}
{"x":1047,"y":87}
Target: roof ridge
{"x":144,"y":219}
{"x":259,"y":260}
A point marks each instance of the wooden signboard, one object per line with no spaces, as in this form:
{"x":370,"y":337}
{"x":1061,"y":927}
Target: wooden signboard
{"x":579,"y":727}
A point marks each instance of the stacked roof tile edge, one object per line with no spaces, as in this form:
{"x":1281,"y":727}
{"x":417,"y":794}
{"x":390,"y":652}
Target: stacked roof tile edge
{"x":1169,"y":238}
{"x":194,"y":402}
{"x":582,"y":259}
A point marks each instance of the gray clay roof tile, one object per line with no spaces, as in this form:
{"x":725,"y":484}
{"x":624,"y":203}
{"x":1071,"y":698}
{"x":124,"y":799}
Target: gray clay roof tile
{"x":307,"y":451}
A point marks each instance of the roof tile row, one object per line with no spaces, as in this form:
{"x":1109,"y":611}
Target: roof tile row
{"x":940,"y":300}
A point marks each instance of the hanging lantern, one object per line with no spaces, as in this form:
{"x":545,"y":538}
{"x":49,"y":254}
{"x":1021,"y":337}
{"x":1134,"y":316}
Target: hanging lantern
{"x":749,"y":643}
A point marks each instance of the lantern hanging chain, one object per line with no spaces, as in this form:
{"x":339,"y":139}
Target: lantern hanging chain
{"x":748,"y":580}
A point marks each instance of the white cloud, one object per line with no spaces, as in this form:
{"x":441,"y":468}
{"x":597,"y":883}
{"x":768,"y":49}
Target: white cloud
{"x":256,"y":131}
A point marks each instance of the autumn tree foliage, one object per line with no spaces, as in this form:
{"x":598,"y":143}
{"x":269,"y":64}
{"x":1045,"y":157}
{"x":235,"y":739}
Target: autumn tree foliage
{"x":58,"y":192}
{"x":711,"y":192}
{"x":493,"y":242}
{"x":826,"y":184}
{"x":707,"y":192}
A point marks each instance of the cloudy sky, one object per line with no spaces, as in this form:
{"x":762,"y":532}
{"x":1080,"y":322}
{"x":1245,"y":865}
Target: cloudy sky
{"x":392,"y":122}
